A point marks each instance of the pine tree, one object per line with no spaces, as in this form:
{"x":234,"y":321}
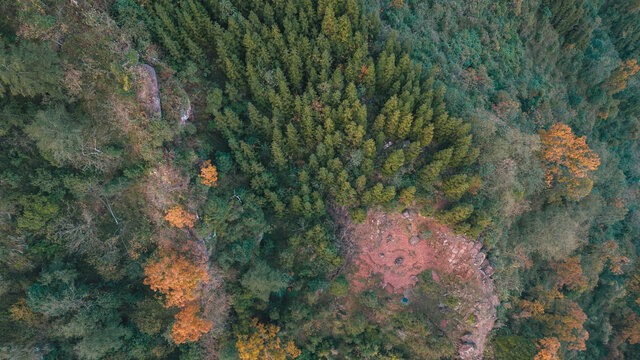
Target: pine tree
{"x":428,"y":174}
{"x":393,"y":162}
{"x":455,"y":186}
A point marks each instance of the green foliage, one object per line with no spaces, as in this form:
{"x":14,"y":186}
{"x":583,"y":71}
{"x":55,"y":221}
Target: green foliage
{"x":513,"y":347}
{"x":339,"y":286}
{"x":262,"y":280}
{"x":29,"y":69}
{"x":455,"y":186}
{"x":309,"y":110}
{"x":37,"y":211}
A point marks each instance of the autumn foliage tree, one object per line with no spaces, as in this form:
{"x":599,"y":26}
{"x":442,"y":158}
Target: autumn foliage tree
{"x":188,"y":326}
{"x":566,"y":322}
{"x":178,"y":217}
{"x":264,"y":343}
{"x":567,"y":159}
{"x":618,"y":79}
{"x":176,"y":277}
{"x":547,"y":349}
{"x":569,"y":274}
{"x":616,"y":260}
{"x":208,"y":174}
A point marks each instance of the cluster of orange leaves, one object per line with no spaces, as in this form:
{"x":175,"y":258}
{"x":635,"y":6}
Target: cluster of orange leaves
{"x":618,"y":80}
{"x":569,"y":274}
{"x":610,"y":252}
{"x":396,"y":4}
{"x":563,"y":319}
{"x":265,"y":344}
{"x":631,"y":328}
{"x":178,"y":278}
{"x":562,"y":152}
{"x":633,"y":284}
{"x":567,"y":325}
{"x":208,"y":174}
{"x":548,"y":349}
{"x":188,"y":326}
{"x":531,"y":308}
{"x":178,"y":217}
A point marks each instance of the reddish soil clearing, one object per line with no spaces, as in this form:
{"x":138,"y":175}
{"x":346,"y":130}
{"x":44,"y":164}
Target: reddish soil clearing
{"x":391,"y":249}
{"x":396,"y":246}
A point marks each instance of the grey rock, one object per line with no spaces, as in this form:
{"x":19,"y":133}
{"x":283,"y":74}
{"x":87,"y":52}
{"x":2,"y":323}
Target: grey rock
{"x":148,"y":90}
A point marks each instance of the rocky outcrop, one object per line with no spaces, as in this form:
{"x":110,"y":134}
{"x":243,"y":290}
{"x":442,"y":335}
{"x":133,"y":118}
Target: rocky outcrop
{"x":148,"y":90}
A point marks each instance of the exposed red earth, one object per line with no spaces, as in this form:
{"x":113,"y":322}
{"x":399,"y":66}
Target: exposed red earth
{"x":391,"y":249}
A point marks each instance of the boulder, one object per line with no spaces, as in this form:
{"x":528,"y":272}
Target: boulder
{"x":148,"y":90}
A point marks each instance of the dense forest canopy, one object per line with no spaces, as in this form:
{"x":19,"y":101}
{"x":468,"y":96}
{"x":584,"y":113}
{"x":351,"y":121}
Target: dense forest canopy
{"x":187,"y":179}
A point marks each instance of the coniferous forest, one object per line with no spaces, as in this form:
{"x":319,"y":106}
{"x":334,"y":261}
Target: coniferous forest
{"x":320,"y":179}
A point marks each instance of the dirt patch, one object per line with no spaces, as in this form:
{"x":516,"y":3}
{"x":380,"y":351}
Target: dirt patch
{"x":392,"y":249}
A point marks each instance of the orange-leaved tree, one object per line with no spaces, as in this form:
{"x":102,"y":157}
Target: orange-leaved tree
{"x":618,"y":79}
{"x":569,"y":274}
{"x":208,"y":174}
{"x":547,"y":349}
{"x":610,"y":252}
{"x":568,"y":159}
{"x":264,"y":343}
{"x":566,"y":323}
{"x":176,"y":277}
{"x":188,"y":326}
{"x":178,"y":217}
{"x":531,"y":308}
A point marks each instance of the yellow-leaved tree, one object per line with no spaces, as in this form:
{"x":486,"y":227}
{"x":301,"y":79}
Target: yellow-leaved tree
{"x":264,"y":343}
{"x":567,"y":160}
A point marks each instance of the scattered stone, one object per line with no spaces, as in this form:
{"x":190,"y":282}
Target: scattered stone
{"x":467,"y":351}
{"x":489,"y":270}
{"x":467,"y":338}
{"x":185,"y":113}
{"x":445,"y":253}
